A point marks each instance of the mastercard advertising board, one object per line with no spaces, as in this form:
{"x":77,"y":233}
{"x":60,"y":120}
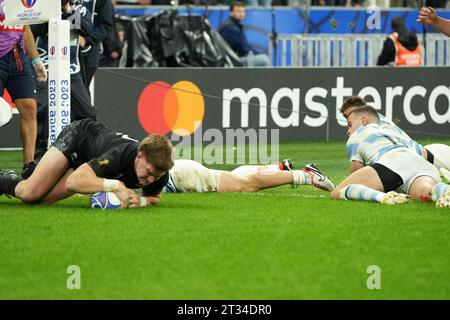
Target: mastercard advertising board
{"x":302,"y":104}
{"x":298,"y":103}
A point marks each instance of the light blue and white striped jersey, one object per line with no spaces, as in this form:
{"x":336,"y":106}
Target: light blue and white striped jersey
{"x":413,"y":145}
{"x":369,"y":143}
{"x":170,"y":186}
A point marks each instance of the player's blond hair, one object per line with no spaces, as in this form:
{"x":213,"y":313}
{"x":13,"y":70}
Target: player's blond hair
{"x":157,"y":149}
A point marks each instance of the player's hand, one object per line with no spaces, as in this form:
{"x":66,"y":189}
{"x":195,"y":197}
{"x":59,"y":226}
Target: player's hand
{"x":427,"y":16}
{"x":82,"y":42}
{"x":125,"y":195}
{"x":41,"y":72}
{"x":114,"y":55}
{"x":134,"y":201}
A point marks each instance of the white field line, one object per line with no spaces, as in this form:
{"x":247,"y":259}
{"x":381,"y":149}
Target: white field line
{"x":295,"y":195}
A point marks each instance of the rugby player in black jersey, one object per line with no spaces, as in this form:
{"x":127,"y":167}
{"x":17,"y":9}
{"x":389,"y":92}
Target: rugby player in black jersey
{"x":86,"y":158}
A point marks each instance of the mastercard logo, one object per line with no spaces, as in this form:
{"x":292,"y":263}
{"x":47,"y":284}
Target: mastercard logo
{"x":164,"y":108}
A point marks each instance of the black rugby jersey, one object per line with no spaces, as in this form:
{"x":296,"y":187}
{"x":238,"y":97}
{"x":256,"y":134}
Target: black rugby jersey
{"x":111,"y":155}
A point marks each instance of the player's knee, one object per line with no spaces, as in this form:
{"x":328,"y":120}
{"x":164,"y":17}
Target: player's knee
{"x":31,"y":196}
{"x":69,"y":184}
{"x":28,"y":113}
{"x":422,"y":193}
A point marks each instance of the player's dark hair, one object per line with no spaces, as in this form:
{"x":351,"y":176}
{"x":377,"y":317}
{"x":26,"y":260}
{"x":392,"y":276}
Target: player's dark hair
{"x":368,"y":111}
{"x":398,"y":24}
{"x":351,"y":102}
{"x":157,"y":149}
{"x":237,"y":4}
{"x":64,"y":2}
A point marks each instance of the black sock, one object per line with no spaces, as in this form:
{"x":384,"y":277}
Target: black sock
{"x":9,"y":184}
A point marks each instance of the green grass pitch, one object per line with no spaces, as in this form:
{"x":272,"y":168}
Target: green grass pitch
{"x":283,"y":243}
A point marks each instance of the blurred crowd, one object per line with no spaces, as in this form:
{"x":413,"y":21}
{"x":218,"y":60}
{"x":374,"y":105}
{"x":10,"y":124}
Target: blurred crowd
{"x":348,"y":3}
{"x":101,"y":40}
{"x":232,"y":29}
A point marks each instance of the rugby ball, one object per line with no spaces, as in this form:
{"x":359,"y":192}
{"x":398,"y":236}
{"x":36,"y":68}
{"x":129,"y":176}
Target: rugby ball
{"x":5,"y":112}
{"x":105,"y":201}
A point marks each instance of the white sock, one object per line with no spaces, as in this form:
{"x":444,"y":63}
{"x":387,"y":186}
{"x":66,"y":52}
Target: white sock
{"x":301,"y":177}
{"x":360,"y":192}
{"x":438,"y":190}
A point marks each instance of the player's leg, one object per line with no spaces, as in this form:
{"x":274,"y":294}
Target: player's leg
{"x":428,"y":188}
{"x":421,"y":188}
{"x":425,"y":185}
{"x":445,"y":173}
{"x":440,"y":154}
{"x":265,"y":177}
{"x":191,"y":176}
{"x":59,"y":191}
{"x":441,"y":194}
{"x":367,"y":185}
{"x":28,"y":127}
{"x":20,"y":85}
{"x":47,"y":174}
{"x":81,"y":107}
{"x":50,"y":168}
{"x":365,"y":180}
{"x":248,"y":170}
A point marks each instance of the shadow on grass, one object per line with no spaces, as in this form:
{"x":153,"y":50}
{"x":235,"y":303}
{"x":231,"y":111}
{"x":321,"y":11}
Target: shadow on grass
{"x":163,"y":208}
{"x":41,"y":206}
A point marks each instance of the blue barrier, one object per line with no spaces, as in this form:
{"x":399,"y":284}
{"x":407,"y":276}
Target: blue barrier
{"x":259,"y":21}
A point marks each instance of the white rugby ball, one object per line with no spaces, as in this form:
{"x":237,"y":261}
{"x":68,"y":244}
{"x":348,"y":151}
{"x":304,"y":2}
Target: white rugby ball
{"x":5,"y":112}
{"x":105,"y":201}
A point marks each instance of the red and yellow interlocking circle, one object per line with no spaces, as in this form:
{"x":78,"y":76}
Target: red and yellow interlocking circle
{"x":163,"y":108}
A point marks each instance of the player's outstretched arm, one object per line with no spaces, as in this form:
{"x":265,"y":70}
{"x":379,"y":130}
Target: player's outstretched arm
{"x":85,"y":181}
{"x":428,"y":16}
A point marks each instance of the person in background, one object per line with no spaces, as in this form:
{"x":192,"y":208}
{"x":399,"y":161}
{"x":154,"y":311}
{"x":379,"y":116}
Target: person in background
{"x":80,"y":102}
{"x":233,"y":32}
{"x":112,"y":45}
{"x":355,"y":3}
{"x":16,"y":42}
{"x":139,"y":2}
{"x":396,"y":3}
{"x":428,"y":16}
{"x":102,"y":13}
{"x":328,"y":3}
{"x":436,"y":3}
{"x":256,"y":3}
{"x":401,"y":48}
